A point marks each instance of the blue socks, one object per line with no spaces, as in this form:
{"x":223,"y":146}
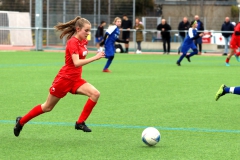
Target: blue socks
{"x":109,"y":61}
{"x":233,"y":90}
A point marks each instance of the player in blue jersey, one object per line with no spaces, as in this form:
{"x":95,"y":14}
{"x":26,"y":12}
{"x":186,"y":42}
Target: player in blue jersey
{"x":111,"y":36}
{"x":188,"y":43}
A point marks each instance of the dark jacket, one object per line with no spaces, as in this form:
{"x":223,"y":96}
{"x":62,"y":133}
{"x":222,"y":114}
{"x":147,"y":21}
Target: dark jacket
{"x":200,"y":26}
{"x":99,"y":32}
{"x":227,"y":26}
{"x":183,"y":26}
{"x":167,"y":28}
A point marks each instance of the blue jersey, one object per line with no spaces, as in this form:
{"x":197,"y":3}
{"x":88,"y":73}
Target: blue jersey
{"x":189,"y":40}
{"x":113,"y":34}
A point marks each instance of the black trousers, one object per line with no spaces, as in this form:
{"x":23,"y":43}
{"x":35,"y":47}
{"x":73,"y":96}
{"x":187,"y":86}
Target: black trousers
{"x":166,"y":44}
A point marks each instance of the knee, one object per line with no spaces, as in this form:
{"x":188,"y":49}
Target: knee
{"x":95,"y":95}
{"x":195,"y":51}
{"x":46,"y":107}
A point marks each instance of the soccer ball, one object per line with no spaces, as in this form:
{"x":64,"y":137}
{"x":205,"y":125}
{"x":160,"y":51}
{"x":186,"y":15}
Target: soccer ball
{"x":151,"y":136}
{"x":118,"y":50}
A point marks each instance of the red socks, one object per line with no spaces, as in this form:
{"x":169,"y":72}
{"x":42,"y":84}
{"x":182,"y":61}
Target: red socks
{"x":86,"y":111}
{"x":36,"y":111}
{"x":227,"y":60}
{"x":31,"y":114}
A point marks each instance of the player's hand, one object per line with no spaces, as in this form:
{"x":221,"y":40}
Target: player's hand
{"x":201,"y":34}
{"x":100,"y":54}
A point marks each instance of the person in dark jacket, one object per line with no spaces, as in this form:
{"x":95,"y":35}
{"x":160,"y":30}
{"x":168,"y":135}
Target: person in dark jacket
{"x":126,"y":24}
{"x":166,"y":36}
{"x":200,"y":28}
{"x":228,"y":28}
{"x":183,"y":27}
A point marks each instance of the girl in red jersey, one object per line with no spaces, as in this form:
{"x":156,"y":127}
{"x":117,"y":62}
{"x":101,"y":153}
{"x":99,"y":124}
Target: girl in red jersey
{"x":69,"y":78}
{"x":234,"y":44}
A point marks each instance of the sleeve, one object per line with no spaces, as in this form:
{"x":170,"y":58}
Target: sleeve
{"x":72,"y":47}
{"x":169,"y":28}
{"x":130,"y":24}
{"x":192,"y":35}
{"x":159,"y":27}
{"x":111,"y":29}
{"x":179,"y":26}
{"x":98,"y":32}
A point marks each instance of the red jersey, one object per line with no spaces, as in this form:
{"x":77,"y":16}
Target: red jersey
{"x":236,"y":33}
{"x":235,"y":40}
{"x":74,"y":46}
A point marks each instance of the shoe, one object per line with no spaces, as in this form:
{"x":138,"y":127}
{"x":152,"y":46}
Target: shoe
{"x":106,"y":70}
{"x":199,"y":53}
{"x":17,"y":129}
{"x":178,"y":64}
{"x":237,"y":57}
{"x":164,"y":52}
{"x":82,"y":126}
{"x":220,"y":92}
{"x":188,"y":58}
{"x":138,"y":52}
{"x":224,"y":54}
{"x":227,"y":64}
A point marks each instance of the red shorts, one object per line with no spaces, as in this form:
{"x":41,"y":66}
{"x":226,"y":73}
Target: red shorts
{"x":61,"y":86}
{"x":234,"y":43}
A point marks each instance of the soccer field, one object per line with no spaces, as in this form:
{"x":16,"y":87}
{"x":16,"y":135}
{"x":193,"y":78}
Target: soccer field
{"x":141,"y":91}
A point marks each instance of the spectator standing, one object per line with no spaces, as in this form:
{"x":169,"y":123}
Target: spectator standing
{"x":99,"y":34}
{"x":200,"y":28}
{"x":183,"y":28}
{"x":228,"y":28}
{"x":139,"y":34}
{"x":126,"y":24}
{"x":166,"y":36}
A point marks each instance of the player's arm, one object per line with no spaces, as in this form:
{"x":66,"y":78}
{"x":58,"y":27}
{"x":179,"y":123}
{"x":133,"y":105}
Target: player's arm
{"x":81,"y":62}
{"x":121,"y":41}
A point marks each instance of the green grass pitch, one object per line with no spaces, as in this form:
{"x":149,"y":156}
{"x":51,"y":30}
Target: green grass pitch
{"x":141,"y":91}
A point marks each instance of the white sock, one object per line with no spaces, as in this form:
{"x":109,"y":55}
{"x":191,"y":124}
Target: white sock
{"x":231,"y":90}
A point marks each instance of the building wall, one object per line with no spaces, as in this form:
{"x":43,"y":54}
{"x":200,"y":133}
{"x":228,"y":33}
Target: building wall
{"x":213,"y":15}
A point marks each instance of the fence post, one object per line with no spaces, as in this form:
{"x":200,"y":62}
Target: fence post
{"x":38,"y":24}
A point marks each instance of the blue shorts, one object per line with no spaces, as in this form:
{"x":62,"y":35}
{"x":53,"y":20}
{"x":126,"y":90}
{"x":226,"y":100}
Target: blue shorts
{"x":98,"y":39}
{"x":185,"y":47}
{"x":109,"y":50}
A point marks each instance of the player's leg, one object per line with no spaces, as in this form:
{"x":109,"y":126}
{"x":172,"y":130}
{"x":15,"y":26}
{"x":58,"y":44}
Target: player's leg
{"x":194,"y":52}
{"x":108,"y":63}
{"x":184,"y":53}
{"x":36,"y":111}
{"x":231,"y":53}
{"x":109,"y":51}
{"x":93,"y":94}
{"x":225,"y":90}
